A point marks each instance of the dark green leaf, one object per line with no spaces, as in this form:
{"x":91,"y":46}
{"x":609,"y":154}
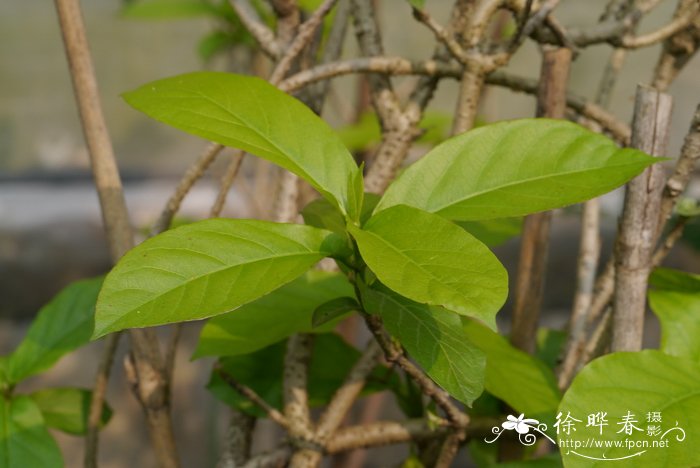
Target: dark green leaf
{"x":514,"y":168}
{"x":24,"y":440}
{"x":61,"y":326}
{"x":637,"y":384}
{"x":272,"y":318}
{"x":322,"y":214}
{"x":525,"y":383}
{"x":67,"y":409}
{"x":262,"y":371}
{"x":549,"y":346}
{"x":433,"y":337}
{"x":249,"y":113}
{"x":431,"y":260}
{"x":333,"y":309}
{"x":675,"y":300}
{"x":205,"y":269}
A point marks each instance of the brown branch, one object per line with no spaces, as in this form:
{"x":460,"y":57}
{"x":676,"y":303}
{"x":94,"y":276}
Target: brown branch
{"x":435,"y":69}
{"x":442,"y":34}
{"x":288,"y":18}
{"x":640,"y":217}
{"x":296,"y":398}
{"x":380,"y":433}
{"x":677,"y":25}
{"x":273,"y":458}
{"x":395,"y":355}
{"x":151,"y":383}
{"x":252,"y":396}
{"x":97,"y":399}
{"x":192,"y":175}
{"x":238,"y":440}
{"x":225,"y":185}
{"x":300,"y":41}
{"x":678,"y":49}
{"x":529,"y":288}
{"x":262,"y":34}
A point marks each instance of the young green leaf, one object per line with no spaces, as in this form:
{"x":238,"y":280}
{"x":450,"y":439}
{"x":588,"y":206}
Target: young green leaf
{"x":67,"y":409}
{"x":675,"y":299}
{"x":273,"y":317}
{"x":523,"y":382}
{"x":333,"y":309}
{"x":248,"y":113}
{"x":166,"y":9}
{"x":331,"y":360}
{"x":433,"y":337}
{"x":207,"y":268}
{"x":62,"y":325}
{"x":514,"y":168}
{"x":433,"y":261}
{"x":24,"y":440}
{"x":634,"y":386}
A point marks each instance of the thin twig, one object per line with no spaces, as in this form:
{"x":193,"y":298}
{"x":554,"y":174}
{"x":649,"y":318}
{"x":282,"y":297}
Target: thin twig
{"x":252,"y":396}
{"x":192,"y":175}
{"x":225,"y":185}
{"x":262,"y":34}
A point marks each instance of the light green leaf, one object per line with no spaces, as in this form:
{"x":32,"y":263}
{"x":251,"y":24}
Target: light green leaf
{"x":207,"y":268}
{"x":514,"y":168}
{"x":637,"y":384}
{"x":333,"y":309}
{"x":675,"y":300}
{"x":250,"y":114}
{"x":493,"y":232}
{"x":688,"y":207}
{"x":273,"y":317}
{"x":431,"y":260}
{"x":523,"y":382}
{"x":167,"y":9}
{"x":332,"y":358}
{"x":433,"y":337}
{"x":24,"y":440}
{"x":62,"y":325}
{"x":67,"y":409}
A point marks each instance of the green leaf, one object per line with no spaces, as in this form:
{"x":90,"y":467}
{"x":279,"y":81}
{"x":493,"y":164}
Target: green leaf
{"x":67,"y":409}
{"x":332,"y":359}
{"x":493,"y":232}
{"x":167,"y":9}
{"x":431,"y":260}
{"x":688,"y":207}
{"x":322,"y":214}
{"x":433,"y":337}
{"x":675,"y":300}
{"x":333,"y":309}
{"x":273,"y":317}
{"x":62,"y":325}
{"x":249,"y":113}
{"x":417,"y":3}
{"x":207,"y":268}
{"x":514,"y":168}
{"x":639,"y":383}
{"x":24,"y":440}
{"x":523,"y":382}
{"x":550,"y":343}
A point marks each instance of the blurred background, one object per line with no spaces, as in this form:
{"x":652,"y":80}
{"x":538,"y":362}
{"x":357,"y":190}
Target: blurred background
{"x":50,"y":227}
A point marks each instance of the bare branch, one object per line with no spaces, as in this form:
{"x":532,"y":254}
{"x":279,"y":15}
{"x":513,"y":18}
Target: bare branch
{"x":262,"y":34}
{"x":640,"y":217}
{"x":238,"y":440}
{"x":226,"y":181}
{"x":383,"y":433}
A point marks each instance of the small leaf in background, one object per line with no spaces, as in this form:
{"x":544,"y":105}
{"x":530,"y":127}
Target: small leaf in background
{"x":493,"y":232}
{"x":167,"y":9}
{"x":514,"y":168}
{"x":688,"y":207}
{"x":273,"y":317}
{"x":250,"y":114}
{"x":675,"y":299}
{"x":322,"y":214}
{"x":67,"y":409}
{"x":205,"y":269}
{"x":550,"y":343}
{"x":62,"y":325}
{"x":416,"y":3}
{"x":523,"y":382}
{"x":262,"y":371}
{"x":333,"y":309}
{"x":25,"y":441}
{"x":433,"y":337}
{"x":433,"y":261}
{"x":638,"y":384}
